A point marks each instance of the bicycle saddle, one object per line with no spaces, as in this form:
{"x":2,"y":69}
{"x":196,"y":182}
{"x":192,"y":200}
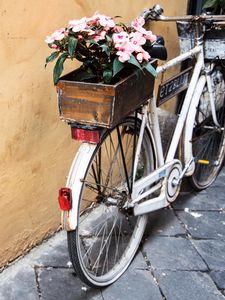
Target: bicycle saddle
{"x":158,"y":49}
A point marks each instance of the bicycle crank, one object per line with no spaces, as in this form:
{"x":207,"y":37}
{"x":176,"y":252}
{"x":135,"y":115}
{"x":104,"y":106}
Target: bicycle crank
{"x":173,"y":182}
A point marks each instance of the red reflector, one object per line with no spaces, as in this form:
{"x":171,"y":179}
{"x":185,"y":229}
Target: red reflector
{"x":65,"y":199}
{"x":84,"y":135}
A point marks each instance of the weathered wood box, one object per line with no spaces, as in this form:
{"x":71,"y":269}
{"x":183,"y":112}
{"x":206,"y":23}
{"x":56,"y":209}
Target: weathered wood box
{"x":102,"y":105}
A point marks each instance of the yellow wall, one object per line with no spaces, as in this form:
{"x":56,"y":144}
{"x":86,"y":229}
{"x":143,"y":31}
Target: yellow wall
{"x":35,"y":147}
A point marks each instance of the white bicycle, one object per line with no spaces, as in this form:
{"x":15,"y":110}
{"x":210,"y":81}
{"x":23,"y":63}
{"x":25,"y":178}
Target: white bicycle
{"x":113,"y":184}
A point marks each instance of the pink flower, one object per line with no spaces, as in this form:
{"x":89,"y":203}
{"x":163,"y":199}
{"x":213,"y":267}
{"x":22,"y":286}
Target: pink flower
{"x":54,"y":46}
{"x":117,"y":28}
{"x":125,"y":52}
{"x":142,"y":30}
{"x":143,"y":55}
{"x":102,"y":20}
{"x":123,"y":56}
{"x":49,"y":39}
{"x":120,"y":38}
{"x":150,"y":36}
{"x":78,"y":25}
{"x":57,"y":35}
{"x":101,"y":36}
{"x":138,"y":40}
{"x":138,"y":22}
{"x":89,"y":31}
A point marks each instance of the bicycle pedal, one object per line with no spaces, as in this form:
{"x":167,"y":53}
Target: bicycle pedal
{"x":203,"y":161}
{"x":207,"y":162}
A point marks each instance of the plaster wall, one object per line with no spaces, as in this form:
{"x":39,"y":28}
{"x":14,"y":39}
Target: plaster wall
{"x":35,"y":146}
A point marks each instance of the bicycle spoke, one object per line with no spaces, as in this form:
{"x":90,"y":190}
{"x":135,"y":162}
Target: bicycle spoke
{"x":123,"y":160}
{"x":96,"y":235}
{"x":117,"y":241}
{"x":106,"y":260}
{"x":104,"y":245}
{"x":97,"y":180}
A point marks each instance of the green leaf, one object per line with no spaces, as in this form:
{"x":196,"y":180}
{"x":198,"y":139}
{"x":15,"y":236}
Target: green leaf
{"x":51,"y":57}
{"x":151,"y":69}
{"x":72,"y":44}
{"x":222,"y":4}
{"x":108,"y":38}
{"x":211,"y":4}
{"x":107,"y":75}
{"x":117,"y":66}
{"x":50,"y":45}
{"x":88,"y":77}
{"x":58,"y":43}
{"x":59,"y":67}
{"x":134,"y":62}
{"x":106,"y":49}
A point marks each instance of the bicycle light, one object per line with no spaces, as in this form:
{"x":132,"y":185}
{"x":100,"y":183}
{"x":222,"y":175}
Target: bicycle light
{"x":85,"y":135}
{"x":65,"y":199}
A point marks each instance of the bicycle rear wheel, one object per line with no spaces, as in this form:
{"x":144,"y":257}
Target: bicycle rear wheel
{"x":108,"y":234}
{"x":207,"y":138}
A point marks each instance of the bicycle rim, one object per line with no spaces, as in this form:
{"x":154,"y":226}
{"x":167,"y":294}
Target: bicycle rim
{"x":208,"y":139}
{"x":108,"y":235}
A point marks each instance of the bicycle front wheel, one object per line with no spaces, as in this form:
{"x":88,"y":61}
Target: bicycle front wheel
{"x":108,"y":234}
{"x":208,"y":137}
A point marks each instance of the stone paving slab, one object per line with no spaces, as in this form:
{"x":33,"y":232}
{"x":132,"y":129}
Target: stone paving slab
{"x":213,"y":253}
{"x":205,"y":225}
{"x":219,"y":278}
{"x":164,"y":223}
{"x":135,"y":283}
{"x":210,"y":199}
{"x":53,"y":253}
{"x":177,"y":285}
{"x":220,"y":180}
{"x":173,"y":254}
{"x":58,"y":283}
{"x":18,"y":282}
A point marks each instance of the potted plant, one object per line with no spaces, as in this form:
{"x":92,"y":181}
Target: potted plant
{"x":108,"y":51}
{"x":103,"y":46}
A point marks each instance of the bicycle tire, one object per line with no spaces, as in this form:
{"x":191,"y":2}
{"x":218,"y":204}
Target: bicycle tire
{"x":208,"y":139}
{"x":107,"y":235}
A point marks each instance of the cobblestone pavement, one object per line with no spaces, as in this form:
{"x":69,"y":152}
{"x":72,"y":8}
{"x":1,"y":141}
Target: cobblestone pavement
{"x":182,"y":257}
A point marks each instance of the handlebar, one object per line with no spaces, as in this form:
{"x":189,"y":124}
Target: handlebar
{"x":155,"y":14}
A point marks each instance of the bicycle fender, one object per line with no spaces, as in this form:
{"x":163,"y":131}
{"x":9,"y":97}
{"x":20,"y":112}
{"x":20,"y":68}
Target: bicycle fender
{"x":74,"y":182}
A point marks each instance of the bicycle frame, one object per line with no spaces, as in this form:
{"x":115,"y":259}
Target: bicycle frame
{"x":158,"y":180}
{"x":186,"y":116}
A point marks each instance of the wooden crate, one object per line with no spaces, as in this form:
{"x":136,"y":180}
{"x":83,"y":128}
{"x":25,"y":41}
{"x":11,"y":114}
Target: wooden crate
{"x":102,"y":104}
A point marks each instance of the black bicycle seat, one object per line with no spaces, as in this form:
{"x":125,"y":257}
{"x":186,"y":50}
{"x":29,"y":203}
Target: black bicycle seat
{"x":158,"y":49}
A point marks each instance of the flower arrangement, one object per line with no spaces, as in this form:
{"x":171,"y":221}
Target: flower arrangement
{"x":103,"y":46}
